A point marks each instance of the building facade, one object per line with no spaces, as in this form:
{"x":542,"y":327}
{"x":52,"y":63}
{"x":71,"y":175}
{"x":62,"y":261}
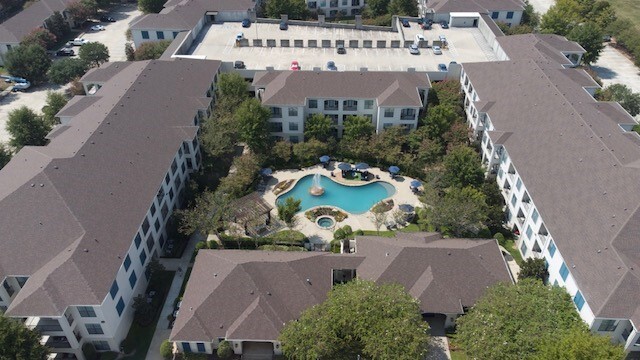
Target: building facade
{"x":333,"y":8}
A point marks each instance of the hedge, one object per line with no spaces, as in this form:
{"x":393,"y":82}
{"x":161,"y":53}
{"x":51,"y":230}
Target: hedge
{"x":246,"y":243}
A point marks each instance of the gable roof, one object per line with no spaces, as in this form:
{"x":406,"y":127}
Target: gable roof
{"x":59,"y":202}
{"x":15,"y":28}
{"x":539,"y":47}
{"x":294,"y":87}
{"x":250,"y":295}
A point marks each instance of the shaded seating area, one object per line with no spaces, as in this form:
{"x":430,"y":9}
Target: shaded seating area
{"x":358,"y":172}
{"x":253,"y":214}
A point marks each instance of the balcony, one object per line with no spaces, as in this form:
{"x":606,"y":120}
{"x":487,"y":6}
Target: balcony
{"x":331,"y":105}
{"x":55,"y":342}
{"x":43,"y":325}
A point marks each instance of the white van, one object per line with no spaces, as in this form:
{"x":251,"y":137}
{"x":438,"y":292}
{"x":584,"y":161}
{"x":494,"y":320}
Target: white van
{"x":418,"y":38}
{"x":443,"y":39}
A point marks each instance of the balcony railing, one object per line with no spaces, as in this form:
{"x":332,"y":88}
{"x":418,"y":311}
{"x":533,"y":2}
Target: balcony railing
{"x":350,"y":108}
{"x":56,"y":342}
{"x":330,"y":107}
{"x":408,"y":117}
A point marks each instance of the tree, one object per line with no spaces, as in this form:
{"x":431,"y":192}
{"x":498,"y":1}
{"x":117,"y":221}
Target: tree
{"x":296,"y":9}
{"x":81,"y":10}
{"x":387,"y":145}
{"x":446,"y":93}
{"x":40,"y":36}
{"x":457,"y":135}
{"x":151,"y":6}
{"x":317,"y":126}
{"x":246,"y":172}
{"x":253,"y":124}
{"x":30,"y":62}
{"x":513,"y":321}
{"x":589,"y":36}
{"x":379,"y":217}
{"x":378,"y":7}
{"x":555,"y":21}
{"x":403,"y":7}
{"x":143,"y":309}
{"x":94,"y":53}
{"x":153,"y":267}
{"x":308,"y":152}
{"x":529,"y":16}
{"x":534,"y":269}
{"x":18,"y":342}
{"x":629,"y":100}
{"x":129,"y":52}
{"x":460,"y":212}
{"x":5,"y":155}
{"x":580,"y":344}
{"x":357,"y":127}
{"x":359,"y":318}
{"x":65,"y":70}
{"x":232,"y":86}
{"x":26,"y":128}
{"x":57,"y":25}
{"x":224,"y":350}
{"x":495,"y":204}
{"x":55,"y":102}
{"x":210,"y":212}
{"x":219,"y":135}
{"x":287,"y":210}
{"x":282,"y":152}
{"x":166,"y":349}
{"x":440,"y":118}
{"x":151,"y":50}
{"x":602,"y":13}
{"x":462,"y":167}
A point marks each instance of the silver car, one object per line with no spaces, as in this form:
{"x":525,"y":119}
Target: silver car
{"x":436,"y":50}
{"x":413,"y":49}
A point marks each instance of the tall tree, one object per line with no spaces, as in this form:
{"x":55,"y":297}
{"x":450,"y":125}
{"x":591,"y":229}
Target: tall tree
{"x":94,"y":53}
{"x":26,"y":128}
{"x":357,"y":127}
{"x":57,"y":25}
{"x":238,"y":183}
{"x":359,"y":318}
{"x":589,"y":36}
{"x":403,"y":7}
{"x":209,"y":214}
{"x":65,"y":70}
{"x":55,"y":102}
{"x":378,"y":7}
{"x":439,"y":120}
{"x":296,"y":9}
{"x":529,"y":16}
{"x":5,"y":155}
{"x":317,"y":126}
{"x":462,"y":168}
{"x":151,"y":50}
{"x":219,"y":135}
{"x":580,"y":344}
{"x":232,"y":87}
{"x":534,"y":269}
{"x":495,"y":204}
{"x":308,"y":152}
{"x":460,"y":212}
{"x":30,"y":62}
{"x":253,"y":123}
{"x":40,"y":36}
{"x":282,"y":152}
{"x":81,"y":10}
{"x":151,"y":6}
{"x":513,"y":321}
{"x":287,"y":211}
{"x":18,"y":342}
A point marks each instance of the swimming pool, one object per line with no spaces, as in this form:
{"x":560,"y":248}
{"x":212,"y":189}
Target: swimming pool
{"x":353,"y":199}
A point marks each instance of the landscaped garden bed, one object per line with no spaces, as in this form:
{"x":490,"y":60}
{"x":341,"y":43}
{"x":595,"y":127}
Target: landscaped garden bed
{"x":338,"y":215}
{"x":282,"y":238}
{"x":282,"y":186}
{"x":383,"y":206}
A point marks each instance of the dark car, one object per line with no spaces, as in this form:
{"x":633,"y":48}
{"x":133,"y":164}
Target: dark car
{"x":239,"y":65}
{"x":426,"y":26}
{"x":444,"y":25}
{"x":246,"y":23}
{"x":442,"y":67}
{"x":341,"y":49}
{"x":331,"y":66}
{"x":105,"y":18}
{"x":284,"y":25}
{"x":65,"y":52}
{"x":405,"y":23}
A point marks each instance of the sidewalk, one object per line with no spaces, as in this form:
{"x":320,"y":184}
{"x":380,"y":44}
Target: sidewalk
{"x":162,"y":330}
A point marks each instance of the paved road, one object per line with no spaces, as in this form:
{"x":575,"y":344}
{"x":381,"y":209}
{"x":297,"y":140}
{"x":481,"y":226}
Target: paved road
{"x":541,"y":6}
{"x":615,"y":68}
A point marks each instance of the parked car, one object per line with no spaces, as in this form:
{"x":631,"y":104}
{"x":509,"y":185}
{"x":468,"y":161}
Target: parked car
{"x":442,"y":67}
{"x":295,"y":65}
{"x":413,"y":49}
{"x":239,"y":65}
{"x":444,"y":25}
{"x":65,"y":52}
{"x":77,"y":42}
{"x":331,"y":66}
{"x":405,"y":23}
{"x":284,"y":25}
{"x":97,"y":28}
{"x":106,"y":18}
{"x":426,"y":26}
{"x":341,"y":49}
{"x":246,"y":23}
{"x":418,"y":38}
{"x":436,"y":50}
{"x":239,"y":36}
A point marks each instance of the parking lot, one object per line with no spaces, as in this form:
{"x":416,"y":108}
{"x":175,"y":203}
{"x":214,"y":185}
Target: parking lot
{"x":218,"y":42}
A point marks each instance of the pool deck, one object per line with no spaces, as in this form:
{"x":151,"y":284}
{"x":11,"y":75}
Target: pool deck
{"x":316,"y":235}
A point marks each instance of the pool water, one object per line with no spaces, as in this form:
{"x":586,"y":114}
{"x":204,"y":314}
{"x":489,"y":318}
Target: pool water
{"x":325,"y":222}
{"x":353,"y":199}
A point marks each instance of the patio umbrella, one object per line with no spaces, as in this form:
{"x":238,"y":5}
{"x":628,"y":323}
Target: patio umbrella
{"x":394,"y":169}
{"x":406,"y":208}
{"x":362,"y":166}
{"x":344,"y":166}
{"x":325,"y":158}
{"x":415,"y":183}
{"x":266,"y":172}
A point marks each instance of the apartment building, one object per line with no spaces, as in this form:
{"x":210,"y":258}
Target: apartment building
{"x":462,"y":13}
{"x":331,"y":8}
{"x":84,"y":215}
{"x":228,"y":297}
{"x":568,"y":168}
{"x":387,"y":98}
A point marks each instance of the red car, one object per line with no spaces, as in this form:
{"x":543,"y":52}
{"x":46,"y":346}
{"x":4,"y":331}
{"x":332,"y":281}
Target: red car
{"x":295,"y":65}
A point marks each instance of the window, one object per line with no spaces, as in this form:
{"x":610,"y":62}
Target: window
{"x":564,"y":271}
{"x":534,"y":216}
{"x":552,"y":249}
{"x":293,"y":111}
{"x":523,"y":248}
{"x":160,"y":35}
{"x":189,"y":163}
{"x":408,"y":114}
{"x":166,"y":179}
{"x":153,"y":209}
{"x":101,"y":345}
{"x":145,"y":34}
{"x":513,"y":200}
{"x":331,"y":104}
{"x":186,"y":347}
{"x":275,"y":126}
{"x":276,"y":112}
{"x":500,"y":174}
{"x":8,"y":47}
{"x":114,"y":289}
{"x":143,"y":257}
{"x":495,"y":14}
{"x":368,"y":104}
{"x":161,"y":240}
{"x":94,"y":329}
{"x":175,"y":34}
{"x":388,"y":113}
{"x":200,"y":347}
{"x":21,"y":280}
{"x":157,"y":225}
{"x":608,"y":325}
{"x":132,"y":279}
{"x":355,"y":2}
{"x":174,"y":167}
{"x":313,"y":104}
{"x":145,"y":226}
{"x":150,"y":243}
{"x":529,"y":232}
{"x":385,"y":126}
{"x":183,"y":167}
{"x":120,"y":306}
{"x":578,"y":300}
{"x":350,"y":105}
{"x":171,"y":194}
{"x":86,"y":311}
{"x":293,"y":126}
{"x":8,"y":287}
{"x":127,"y":263}
{"x":509,"y":14}
{"x":344,"y":2}
{"x":164,"y":210}
{"x":518,"y":184}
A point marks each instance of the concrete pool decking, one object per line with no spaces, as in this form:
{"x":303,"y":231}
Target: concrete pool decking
{"x":403,"y":195}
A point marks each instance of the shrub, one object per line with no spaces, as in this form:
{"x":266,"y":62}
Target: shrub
{"x":335,"y":246}
{"x":484,"y":233}
{"x":166,"y":349}
{"x":151,"y":50}
{"x":65,"y":70}
{"x":246,"y":243}
{"x":359,"y":232}
{"x":501,"y":240}
{"x":212,"y":244}
{"x":224,"y":350}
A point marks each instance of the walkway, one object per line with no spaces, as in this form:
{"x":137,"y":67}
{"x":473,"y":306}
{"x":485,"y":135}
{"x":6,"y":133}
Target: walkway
{"x":162,"y":329}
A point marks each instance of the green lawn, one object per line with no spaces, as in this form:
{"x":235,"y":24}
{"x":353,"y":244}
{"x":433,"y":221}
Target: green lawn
{"x":410,"y":228}
{"x":139,"y":337}
{"x":510,"y":245}
{"x":628,"y":9}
